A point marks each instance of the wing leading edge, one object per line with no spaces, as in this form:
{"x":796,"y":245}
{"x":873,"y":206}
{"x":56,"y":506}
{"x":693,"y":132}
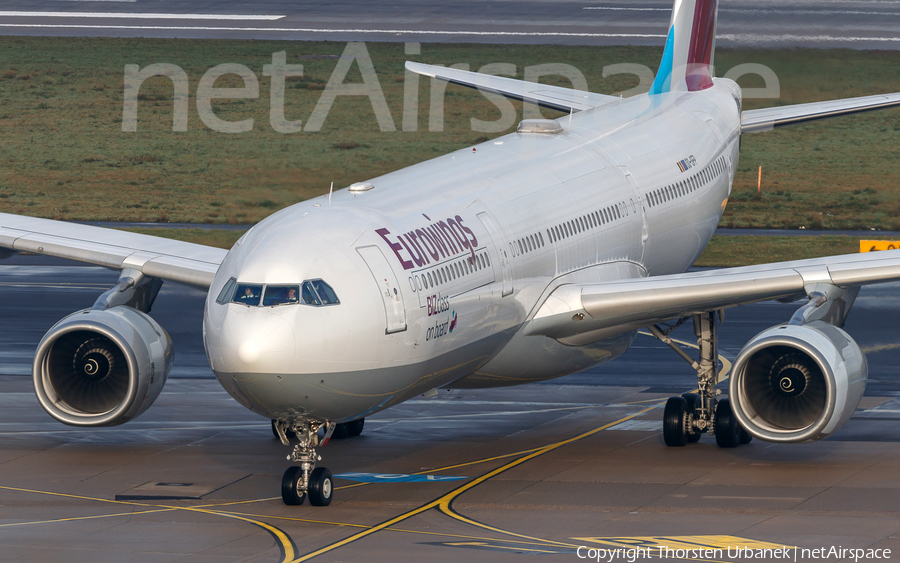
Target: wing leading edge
{"x":157,"y":257}
{"x":576,"y":311}
{"x":554,"y":97}
{"x":756,"y":120}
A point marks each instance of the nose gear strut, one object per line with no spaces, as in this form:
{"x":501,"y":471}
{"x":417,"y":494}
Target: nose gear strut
{"x":305,"y":479}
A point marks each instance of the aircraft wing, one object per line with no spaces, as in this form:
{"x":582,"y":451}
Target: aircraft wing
{"x":575,"y":310}
{"x":756,"y":120}
{"x":183,"y":262}
{"x":554,"y":97}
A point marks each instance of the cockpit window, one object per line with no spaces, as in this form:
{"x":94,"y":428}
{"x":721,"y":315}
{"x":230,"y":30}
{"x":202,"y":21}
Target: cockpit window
{"x":281,"y":295}
{"x":309,"y":295}
{"x":247,"y":294}
{"x":326,"y":294}
{"x":310,"y":292}
{"x":227,"y":292}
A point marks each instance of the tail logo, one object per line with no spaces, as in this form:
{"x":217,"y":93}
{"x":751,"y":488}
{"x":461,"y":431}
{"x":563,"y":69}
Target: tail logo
{"x":690,"y":48}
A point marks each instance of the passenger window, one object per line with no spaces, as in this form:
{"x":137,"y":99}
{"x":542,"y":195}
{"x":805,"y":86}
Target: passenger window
{"x":247,"y":294}
{"x":281,"y":295}
{"x":309,"y":295}
{"x":326,"y":294}
{"x":227,"y":292}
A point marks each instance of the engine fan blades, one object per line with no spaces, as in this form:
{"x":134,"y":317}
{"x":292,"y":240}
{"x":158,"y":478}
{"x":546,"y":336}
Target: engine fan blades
{"x":88,"y":372}
{"x":786,"y":388}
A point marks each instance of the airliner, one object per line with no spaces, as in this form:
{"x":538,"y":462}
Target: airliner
{"x":531,"y":256}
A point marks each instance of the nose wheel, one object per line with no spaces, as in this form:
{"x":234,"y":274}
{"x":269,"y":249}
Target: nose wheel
{"x":305,"y":479}
{"x":319,"y":487}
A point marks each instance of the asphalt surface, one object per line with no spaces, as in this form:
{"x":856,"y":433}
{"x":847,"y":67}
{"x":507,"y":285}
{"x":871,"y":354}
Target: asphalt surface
{"x":866,"y":24}
{"x":543,"y":468}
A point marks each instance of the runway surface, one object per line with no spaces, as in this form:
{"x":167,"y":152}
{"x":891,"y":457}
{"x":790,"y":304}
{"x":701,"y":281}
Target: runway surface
{"x":542,"y":469}
{"x":863,"y":24}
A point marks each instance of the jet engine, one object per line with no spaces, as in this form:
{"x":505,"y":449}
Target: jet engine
{"x":797,"y":383}
{"x":102,"y":367}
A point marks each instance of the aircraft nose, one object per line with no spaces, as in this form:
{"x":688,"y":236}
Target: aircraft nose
{"x":256,"y":341}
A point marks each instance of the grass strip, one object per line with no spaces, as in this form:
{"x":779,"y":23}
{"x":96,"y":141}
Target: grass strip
{"x":64,"y":154}
{"x":220,"y":238}
{"x":731,"y":250}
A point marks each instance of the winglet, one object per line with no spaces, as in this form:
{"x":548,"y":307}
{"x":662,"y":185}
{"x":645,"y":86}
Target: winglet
{"x":690,"y":48}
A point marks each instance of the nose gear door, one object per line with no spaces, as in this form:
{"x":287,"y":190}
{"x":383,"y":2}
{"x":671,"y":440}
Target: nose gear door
{"x":391,"y":296}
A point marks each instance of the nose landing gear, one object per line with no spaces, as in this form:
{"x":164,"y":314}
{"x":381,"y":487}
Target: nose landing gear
{"x":305,"y":480}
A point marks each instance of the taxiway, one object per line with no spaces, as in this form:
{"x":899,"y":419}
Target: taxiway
{"x":540,"y":469}
{"x":854,"y":24}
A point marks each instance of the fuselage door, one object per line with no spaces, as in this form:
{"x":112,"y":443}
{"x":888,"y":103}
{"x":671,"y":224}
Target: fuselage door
{"x":645,"y":228}
{"x":391,"y":296}
{"x":501,"y":256}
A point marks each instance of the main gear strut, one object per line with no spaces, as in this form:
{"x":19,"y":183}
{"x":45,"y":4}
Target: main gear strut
{"x":692,"y":414}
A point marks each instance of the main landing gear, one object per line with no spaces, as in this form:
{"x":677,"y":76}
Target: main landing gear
{"x":690,"y":415}
{"x":305,"y":480}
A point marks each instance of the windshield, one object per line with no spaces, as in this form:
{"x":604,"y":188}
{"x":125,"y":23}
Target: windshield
{"x":281,"y":295}
{"x":310,"y":292}
{"x":247,"y":294}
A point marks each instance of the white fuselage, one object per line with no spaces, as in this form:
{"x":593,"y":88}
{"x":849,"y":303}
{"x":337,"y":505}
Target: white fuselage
{"x":440,"y":266}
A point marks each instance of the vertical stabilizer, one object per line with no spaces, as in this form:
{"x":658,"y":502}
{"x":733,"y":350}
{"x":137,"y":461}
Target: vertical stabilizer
{"x":690,"y":47}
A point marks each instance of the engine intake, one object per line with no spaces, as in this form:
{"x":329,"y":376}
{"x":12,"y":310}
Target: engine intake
{"x":797,"y":383}
{"x":102,"y":367}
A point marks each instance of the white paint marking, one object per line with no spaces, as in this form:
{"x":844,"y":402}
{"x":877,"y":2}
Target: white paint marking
{"x":514,"y":403}
{"x":356,"y":31}
{"x":214,"y":426}
{"x":612,"y":9}
{"x":754,"y":38}
{"x":136,"y":16}
{"x":475,"y":415}
{"x":741,"y":38}
{"x":754,"y":498}
{"x":756,"y":11}
{"x":639,"y":425}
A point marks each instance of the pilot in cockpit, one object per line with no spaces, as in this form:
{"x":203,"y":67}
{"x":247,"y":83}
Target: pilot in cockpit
{"x":249,"y":295}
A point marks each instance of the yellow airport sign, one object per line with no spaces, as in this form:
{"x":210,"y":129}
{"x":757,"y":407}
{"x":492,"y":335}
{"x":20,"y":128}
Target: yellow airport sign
{"x":876,"y":245}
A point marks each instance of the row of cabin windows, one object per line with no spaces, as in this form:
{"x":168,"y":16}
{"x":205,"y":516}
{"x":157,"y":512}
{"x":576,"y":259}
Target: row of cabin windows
{"x":685,"y":187}
{"x":451,"y":271}
{"x":592,"y":220}
{"x":527,"y":244}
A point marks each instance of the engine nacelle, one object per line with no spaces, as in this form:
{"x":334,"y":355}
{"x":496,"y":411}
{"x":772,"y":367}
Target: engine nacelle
{"x":797,"y":383}
{"x":102,"y":367}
